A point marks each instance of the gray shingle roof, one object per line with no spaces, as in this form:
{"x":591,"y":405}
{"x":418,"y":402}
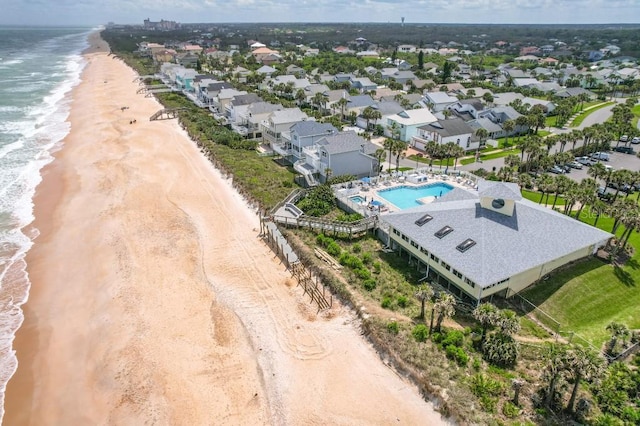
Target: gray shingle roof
{"x":505,"y":245}
{"x":346,"y":142}
{"x":310,"y":128}
{"x":504,"y":190}
{"x":446,"y":128}
{"x":360,"y":101}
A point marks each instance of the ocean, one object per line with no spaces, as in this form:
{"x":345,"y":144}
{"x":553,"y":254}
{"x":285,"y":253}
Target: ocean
{"x":38,"y":69}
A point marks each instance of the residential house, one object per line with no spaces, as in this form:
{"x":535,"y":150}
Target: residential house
{"x":503,"y":113}
{"x":467,"y":109}
{"x":187,"y":59}
{"x":363,"y":84}
{"x":301,"y":135}
{"x":278,"y":122}
{"x":405,"y":124}
{"x":406,"y":48}
{"x":548,"y":106}
{"x":494,"y":130}
{"x":569,"y":92}
{"x":223,"y":98}
{"x":266,"y":56}
{"x":344,"y":153}
{"x":207,"y":93}
{"x":184,"y":78}
{"x":439,"y":101}
{"x":295,"y":70}
{"x":238,"y":105}
{"x":472,"y":242}
{"x":386,"y":109}
{"x":444,"y":131}
{"x":247,"y":122}
{"x":266,"y":70}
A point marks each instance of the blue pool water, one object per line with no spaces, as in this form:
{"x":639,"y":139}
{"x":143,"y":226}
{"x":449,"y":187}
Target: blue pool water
{"x":405,"y":197}
{"x":357,"y":199}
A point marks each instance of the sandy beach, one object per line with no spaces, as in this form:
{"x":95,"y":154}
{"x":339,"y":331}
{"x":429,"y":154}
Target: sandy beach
{"x":154,"y":301}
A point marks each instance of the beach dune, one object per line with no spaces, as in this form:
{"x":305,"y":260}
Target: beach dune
{"x":154,"y":301}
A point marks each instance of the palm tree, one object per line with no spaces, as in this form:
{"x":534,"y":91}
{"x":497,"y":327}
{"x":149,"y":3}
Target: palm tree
{"x":319,"y":99}
{"x":389,"y":144}
{"x":517,"y":384}
{"x":399,"y":149}
{"x":508,"y":322}
{"x":617,"y":330}
{"x":597,"y":171}
{"x":342,"y":104}
{"x":554,"y":367}
{"x":445,"y":306}
{"x":371,"y":114}
{"x":486,"y":314}
{"x":379,"y":156}
{"x":561,"y":184}
{"x":508,"y":127}
{"x":423,"y":294}
{"x":545,"y":185}
{"x":482,"y":134}
{"x":582,"y":364}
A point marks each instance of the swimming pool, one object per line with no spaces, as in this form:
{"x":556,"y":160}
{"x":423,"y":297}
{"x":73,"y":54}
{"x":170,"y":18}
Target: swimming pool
{"x":357,"y":199}
{"x":405,"y":197}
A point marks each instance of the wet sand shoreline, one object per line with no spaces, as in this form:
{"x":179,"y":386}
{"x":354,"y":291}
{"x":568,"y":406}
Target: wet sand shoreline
{"x":154,"y":301}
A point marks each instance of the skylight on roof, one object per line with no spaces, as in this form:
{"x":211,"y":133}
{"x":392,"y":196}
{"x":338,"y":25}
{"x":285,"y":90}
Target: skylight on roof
{"x":465,"y":245}
{"x":444,"y":232}
{"x":424,"y":219}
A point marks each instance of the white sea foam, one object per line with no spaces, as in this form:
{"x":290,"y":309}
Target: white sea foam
{"x":29,"y":133}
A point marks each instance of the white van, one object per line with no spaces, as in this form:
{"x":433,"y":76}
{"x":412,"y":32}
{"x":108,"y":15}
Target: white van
{"x":602,"y":156}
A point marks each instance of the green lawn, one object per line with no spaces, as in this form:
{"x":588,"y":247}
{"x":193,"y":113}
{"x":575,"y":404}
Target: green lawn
{"x":588,"y":296}
{"x":490,"y":156}
{"x":535,"y":197}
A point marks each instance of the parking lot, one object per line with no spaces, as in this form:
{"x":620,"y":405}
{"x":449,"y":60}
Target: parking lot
{"x":617,"y":160}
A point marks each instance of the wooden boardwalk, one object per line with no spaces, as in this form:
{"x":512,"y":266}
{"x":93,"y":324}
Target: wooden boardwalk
{"x":166,"y":114}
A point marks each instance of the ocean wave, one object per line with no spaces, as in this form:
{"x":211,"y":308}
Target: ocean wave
{"x":33,"y":131}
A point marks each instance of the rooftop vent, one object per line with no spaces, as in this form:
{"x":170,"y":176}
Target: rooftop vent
{"x":465,"y":245}
{"x":424,"y":219}
{"x":444,"y":232}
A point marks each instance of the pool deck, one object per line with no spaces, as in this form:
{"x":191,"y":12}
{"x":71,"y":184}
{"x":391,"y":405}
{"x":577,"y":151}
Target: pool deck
{"x":369,"y":191}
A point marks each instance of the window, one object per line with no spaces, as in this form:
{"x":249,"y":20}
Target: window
{"x":404,"y":237}
{"x":395,"y":231}
{"x":444,"y":232}
{"x":465,"y":245}
{"x":498,"y":203}
{"x":434,"y":258}
{"x":424,"y":251}
{"x":471,"y":283}
{"x":414,"y":244}
{"x":446,"y":265}
{"x":457,"y":273}
{"x":424,"y":219}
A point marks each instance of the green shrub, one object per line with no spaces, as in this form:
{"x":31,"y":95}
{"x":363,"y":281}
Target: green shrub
{"x":477,"y":364}
{"x":393,"y":327}
{"x":334,"y":249}
{"x":369,"y":284}
{"x":420,"y":332}
{"x":485,"y":385}
{"x":318,"y":202}
{"x":500,"y":349}
{"x":353,"y":217}
{"x":367,"y":258}
{"x":386,"y":302}
{"x":362,"y":273}
{"x":437,"y":337}
{"x":453,"y":338}
{"x":510,"y":410}
{"x":457,"y":354}
{"x":356,"y":248}
{"x":351,"y":261}
{"x":320,"y":240}
{"x":377,"y":267}
{"x":488,"y":403}
{"x":402,"y":301}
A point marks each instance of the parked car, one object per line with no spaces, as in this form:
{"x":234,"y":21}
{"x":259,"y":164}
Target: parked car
{"x":585,"y":161}
{"x":635,"y":140}
{"x":604,"y":195}
{"x":575,"y":165}
{"x":625,"y":149}
{"x":603,"y":156}
{"x":624,"y":138}
{"x":625,"y":187}
{"x":557,"y":170}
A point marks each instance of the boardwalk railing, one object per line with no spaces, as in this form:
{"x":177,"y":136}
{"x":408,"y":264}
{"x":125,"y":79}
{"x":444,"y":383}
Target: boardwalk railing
{"x":328,"y":226}
{"x":166,"y":114}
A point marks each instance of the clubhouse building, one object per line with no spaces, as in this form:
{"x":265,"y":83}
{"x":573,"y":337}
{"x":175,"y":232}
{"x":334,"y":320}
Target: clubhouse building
{"x":489,"y":241}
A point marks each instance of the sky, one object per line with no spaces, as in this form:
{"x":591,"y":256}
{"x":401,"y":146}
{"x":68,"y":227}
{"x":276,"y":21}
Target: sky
{"x":96,"y":12}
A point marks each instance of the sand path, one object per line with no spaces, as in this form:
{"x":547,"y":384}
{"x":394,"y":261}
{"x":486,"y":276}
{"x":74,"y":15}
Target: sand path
{"x":154,"y":301}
